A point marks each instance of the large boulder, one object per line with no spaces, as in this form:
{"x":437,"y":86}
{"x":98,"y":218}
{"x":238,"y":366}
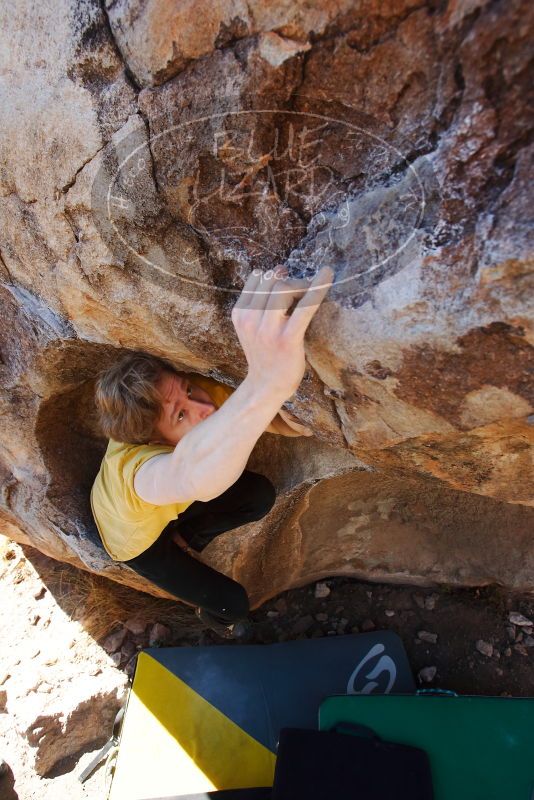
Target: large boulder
{"x":153,"y":154}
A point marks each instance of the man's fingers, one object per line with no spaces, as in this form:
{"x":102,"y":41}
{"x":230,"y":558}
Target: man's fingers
{"x":259,"y":285}
{"x":273,"y":291}
{"x":283,"y":295}
{"x":247,"y":292}
{"x":308,"y":305}
{"x":264,"y":288}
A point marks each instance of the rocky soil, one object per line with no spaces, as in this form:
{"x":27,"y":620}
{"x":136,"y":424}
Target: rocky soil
{"x":59,"y":690}
{"x":64,"y":669}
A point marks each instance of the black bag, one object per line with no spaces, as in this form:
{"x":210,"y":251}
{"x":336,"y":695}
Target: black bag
{"x":331,"y":765}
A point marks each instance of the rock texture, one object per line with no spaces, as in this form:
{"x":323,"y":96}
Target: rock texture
{"x":153,"y":153}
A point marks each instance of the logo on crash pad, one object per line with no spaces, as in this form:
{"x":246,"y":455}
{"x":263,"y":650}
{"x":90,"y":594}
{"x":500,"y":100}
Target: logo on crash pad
{"x":376,"y":671}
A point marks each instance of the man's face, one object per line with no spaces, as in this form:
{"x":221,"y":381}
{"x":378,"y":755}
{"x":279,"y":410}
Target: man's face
{"x":184,"y":405}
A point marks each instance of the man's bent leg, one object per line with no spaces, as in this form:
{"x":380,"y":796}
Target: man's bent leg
{"x":250,"y":498}
{"x":167,"y":566}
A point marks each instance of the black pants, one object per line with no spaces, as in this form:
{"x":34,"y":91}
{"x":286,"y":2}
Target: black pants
{"x":166,"y":565}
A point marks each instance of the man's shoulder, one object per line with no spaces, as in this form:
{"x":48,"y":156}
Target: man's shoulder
{"x":120,"y":450}
{"x":121,"y":460}
{"x":113,"y":488}
{"x":121,"y":447}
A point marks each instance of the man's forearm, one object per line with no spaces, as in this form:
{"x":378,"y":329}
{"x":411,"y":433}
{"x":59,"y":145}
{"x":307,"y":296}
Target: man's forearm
{"x":212,"y":456}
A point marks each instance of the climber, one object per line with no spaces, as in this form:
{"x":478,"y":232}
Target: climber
{"x":173,"y":476}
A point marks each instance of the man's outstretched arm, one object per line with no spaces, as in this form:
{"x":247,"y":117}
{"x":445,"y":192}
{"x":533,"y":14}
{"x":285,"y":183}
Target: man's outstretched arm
{"x":211,"y":457}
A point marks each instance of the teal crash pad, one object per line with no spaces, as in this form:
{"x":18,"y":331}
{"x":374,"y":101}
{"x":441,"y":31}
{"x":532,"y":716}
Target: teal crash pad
{"x":480,"y":748}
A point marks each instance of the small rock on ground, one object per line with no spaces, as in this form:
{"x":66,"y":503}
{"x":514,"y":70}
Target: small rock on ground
{"x":430,"y":601}
{"x":114,"y":640}
{"x":518,"y":619}
{"x":303,"y":624}
{"x":240,"y":630}
{"x":135,"y":626}
{"x":116,"y":659}
{"x":281,"y":605}
{"x":485,"y":648}
{"x":159,"y":634}
{"x":426,"y":636}
{"x":128,"y":649}
{"x":427,"y":674}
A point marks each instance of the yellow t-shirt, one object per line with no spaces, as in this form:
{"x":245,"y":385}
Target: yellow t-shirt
{"x":127,"y":524}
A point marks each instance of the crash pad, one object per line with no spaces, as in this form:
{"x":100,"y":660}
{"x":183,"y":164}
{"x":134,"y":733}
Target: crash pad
{"x":206,"y":718}
{"x":480,"y":748}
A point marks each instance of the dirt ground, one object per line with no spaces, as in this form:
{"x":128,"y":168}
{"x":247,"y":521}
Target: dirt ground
{"x":461,"y":640}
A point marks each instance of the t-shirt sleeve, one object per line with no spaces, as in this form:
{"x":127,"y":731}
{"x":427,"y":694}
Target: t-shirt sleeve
{"x":133,"y":459}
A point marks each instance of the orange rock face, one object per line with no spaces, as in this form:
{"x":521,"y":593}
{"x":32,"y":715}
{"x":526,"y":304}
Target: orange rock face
{"x":155,"y":153}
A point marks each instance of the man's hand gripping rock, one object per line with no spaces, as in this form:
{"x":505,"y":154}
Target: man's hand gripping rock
{"x":270,"y":333}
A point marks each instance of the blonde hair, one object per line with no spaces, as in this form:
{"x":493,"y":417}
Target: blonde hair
{"x":127,"y":397}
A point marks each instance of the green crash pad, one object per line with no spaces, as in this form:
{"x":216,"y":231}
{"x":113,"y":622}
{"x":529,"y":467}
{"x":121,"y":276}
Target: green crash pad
{"x":480,"y":748}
